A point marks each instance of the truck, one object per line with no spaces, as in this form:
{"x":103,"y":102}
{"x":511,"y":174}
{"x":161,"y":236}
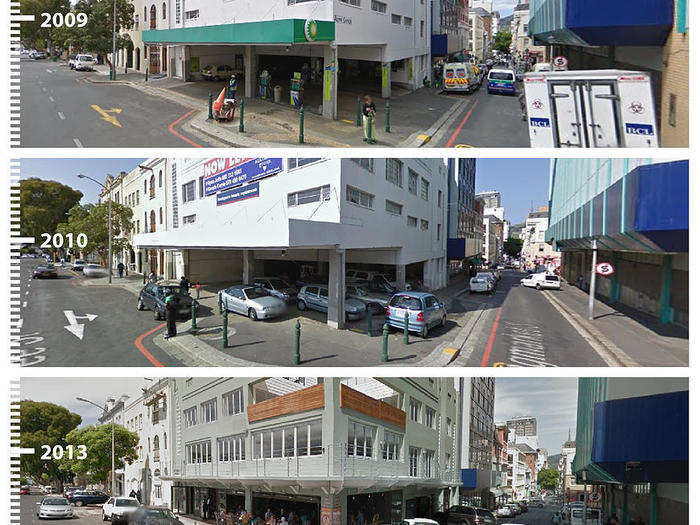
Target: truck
{"x":606,"y":108}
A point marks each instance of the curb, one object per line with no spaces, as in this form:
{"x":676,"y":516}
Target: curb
{"x":420,"y":139}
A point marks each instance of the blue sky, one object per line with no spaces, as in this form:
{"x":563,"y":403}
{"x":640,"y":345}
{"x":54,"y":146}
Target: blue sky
{"x":66,"y":172}
{"x":522,"y":183}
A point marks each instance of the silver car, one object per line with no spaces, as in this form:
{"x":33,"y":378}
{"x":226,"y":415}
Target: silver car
{"x":315,"y":297}
{"x":376,"y":301}
{"x":54,"y":507}
{"x":278,"y":288}
{"x":253,"y":301}
{"x":424,"y":312}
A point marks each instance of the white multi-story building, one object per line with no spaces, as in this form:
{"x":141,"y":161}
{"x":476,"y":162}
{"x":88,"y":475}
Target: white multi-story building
{"x":134,"y":56}
{"x":480,"y":38}
{"x":522,"y":42}
{"x":227,"y":219}
{"x":536,"y":251}
{"x":344,"y":42}
{"x":327,"y":450}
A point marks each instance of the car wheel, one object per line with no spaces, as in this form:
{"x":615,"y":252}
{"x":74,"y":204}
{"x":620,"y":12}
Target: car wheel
{"x":140,"y":306}
{"x":301,"y":305}
{"x":104,"y":517}
{"x":538,"y":286}
{"x":424,"y":332}
{"x":252,"y":315}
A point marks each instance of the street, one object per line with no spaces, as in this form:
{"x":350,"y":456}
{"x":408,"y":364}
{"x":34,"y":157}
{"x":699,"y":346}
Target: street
{"x":61,"y":109}
{"x":534,"y":516}
{"x":83,"y":516}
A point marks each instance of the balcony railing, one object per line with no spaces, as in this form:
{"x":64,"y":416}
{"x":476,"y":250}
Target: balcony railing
{"x":310,"y":398}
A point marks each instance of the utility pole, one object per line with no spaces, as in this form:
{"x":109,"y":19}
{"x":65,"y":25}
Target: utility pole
{"x":591,"y":292}
{"x":114,"y":59}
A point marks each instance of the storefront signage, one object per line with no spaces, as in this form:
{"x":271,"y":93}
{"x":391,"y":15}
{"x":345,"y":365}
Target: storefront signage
{"x":238,"y":194}
{"x":343,"y":20}
{"x":222,"y":174}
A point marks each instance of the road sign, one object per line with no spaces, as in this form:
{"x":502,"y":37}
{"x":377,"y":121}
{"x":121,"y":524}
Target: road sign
{"x":560,"y":63}
{"x":604,"y":268}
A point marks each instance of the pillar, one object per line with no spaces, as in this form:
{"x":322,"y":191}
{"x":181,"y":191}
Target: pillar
{"x":625,"y":516}
{"x":386,"y":79}
{"x":330,"y":81}
{"x":614,"y":283}
{"x":401,"y":276}
{"x":653,"y":504}
{"x":665,"y":308}
{"x":185,"y":63}
{"x":334,"y":508}
{"x":250,"y":64}
{"x":247,"y":266}
{"x":336,"y":288}
{"x":248,"y":500}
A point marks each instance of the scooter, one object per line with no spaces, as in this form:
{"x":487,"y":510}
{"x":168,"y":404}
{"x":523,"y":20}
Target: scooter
{"x":224,"y":108}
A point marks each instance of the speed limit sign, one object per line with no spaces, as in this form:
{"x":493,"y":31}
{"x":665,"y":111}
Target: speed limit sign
{"x":604,"y":268}
{"x":560,"y":63}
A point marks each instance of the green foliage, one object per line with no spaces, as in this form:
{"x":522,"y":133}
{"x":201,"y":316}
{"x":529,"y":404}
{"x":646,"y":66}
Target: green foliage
{"x":548,"y":478}
{"x":43,"y":205}
{"x":91,"y":219}
{"x":33,"y":35}
{"x":96,"y":467}
{"x":502,"y":41}
{"x":43,"y":423}
{"x":513,"y":246}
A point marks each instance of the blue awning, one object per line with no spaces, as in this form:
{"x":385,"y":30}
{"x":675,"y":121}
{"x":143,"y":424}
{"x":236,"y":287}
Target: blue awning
{"x":643,"y":439}
{"x":468,"y":478}
{"x":438,"y":45}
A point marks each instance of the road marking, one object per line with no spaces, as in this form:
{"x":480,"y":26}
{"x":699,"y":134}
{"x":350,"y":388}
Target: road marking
{"x":77,"y":142}
{"x":43,"y":89}
{"x":461,"y":125}
{"x":139,"y":344}
{"x":525,"y":346}
{"x":450,"y":351}
{"x":24,"y":304}
{"x":347,"y":121}
{"x":75,"y":328}
{"x":489,"y":344}
{"x":49,"y":70}
{"x":51,"y":99}
{"x":106,"y":114}
{"x":171,"y":129}
{"x":61,"y":116}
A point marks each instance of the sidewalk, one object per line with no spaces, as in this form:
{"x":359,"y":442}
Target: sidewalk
{"x":637,"y":335}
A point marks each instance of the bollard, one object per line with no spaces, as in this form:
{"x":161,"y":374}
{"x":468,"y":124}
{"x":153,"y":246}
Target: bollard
{"x":221,"y":306}
{"x":301,"y":125}
{"x":385,"y":343}
{"x":358,"y":122}
{"x":297,"y":341}
{"x":211,"y":103}
{"x":368,"y":316}
{"x":405,"y":329}
{"x":193,"y":314}
{"x":146,"y":80}
{"x":224,"y":341}
{"x":387,"y":127}
{"x":240,"y":122}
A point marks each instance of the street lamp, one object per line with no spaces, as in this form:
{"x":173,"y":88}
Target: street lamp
{"x":113,"y":72}
{"x":114,"y":483}
{"x":109,"y":222}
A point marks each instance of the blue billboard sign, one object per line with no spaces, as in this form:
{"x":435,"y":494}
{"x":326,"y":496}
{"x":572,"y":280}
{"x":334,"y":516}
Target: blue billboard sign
{"x":222,"y":174}
{"x":238,"y":194}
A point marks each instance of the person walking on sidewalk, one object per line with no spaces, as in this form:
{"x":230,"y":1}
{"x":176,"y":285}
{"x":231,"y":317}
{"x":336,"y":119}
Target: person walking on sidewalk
{"x":120,"y":269}
{"x":171,"y":306}
{"x":369,"y":111}
{"x":152,"y":277}
{"x":184,"y":285}
{"x":198,"y":288}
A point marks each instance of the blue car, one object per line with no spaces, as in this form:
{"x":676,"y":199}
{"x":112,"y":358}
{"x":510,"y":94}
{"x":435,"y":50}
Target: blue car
{"x":502,"y":81}
{"x":424,"y":312}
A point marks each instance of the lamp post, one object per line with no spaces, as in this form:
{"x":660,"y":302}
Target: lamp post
{"x":109,"y":222}
{"x":114,"y":483}
{"x":113,"y":74}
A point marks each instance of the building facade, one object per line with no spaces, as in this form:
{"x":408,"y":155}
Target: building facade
{"x":522,"y":43}
{"x":327,"y":450}
{"x":465,"y":233}
{"x":536,"y":252}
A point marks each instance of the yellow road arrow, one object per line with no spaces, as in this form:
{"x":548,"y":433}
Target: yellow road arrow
{"x":106,"y":114}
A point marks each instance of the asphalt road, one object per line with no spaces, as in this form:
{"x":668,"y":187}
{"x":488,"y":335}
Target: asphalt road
{"x":57,"y":111}
{"x":117,"y":335}
{"x":522,"y":328}
{"x":83,"y":516}
{"x":487,"y":121}
{"x":534,"y":516}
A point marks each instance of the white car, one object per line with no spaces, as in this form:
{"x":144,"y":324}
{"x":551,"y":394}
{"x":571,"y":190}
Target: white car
{"x":542,"y":281}
{"x":94,"y":270}
{"x":480,"y":285}
{"x":118,"y":507}
{"x":54,"y":507}
{"x":78,"y":265}
{"x":487,"y":275}
{"x":84,"y":63}
{"x":419,"y":521}
{"x":505,"y":512}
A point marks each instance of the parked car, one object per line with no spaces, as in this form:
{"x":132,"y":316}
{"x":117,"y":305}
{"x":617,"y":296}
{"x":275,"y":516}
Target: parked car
{"x":315,"y":297}
{"x":38,"y":55}
{"x":542,"y":281}
{"x":424,"y":312}
{"x":71,"y":60}
{"x":505,"y":512}
{"x":378,"y":283}
{"x":217,"y":72}
{"x":118,"y":509}
{"x":153,"y":515}
{"x":253,"y":301}
{"x":419,"y":521}
{"x":67,"y":489}
{"x":480,"y":285}
{"x":502,"y":81}
{"x":24,"y":490}
{"x":87,"y":497}
{"x":94,"y":270}
{"x":463,"y":514}
{"x":515,"y":508}
{"x":523,"y":506}
{"x":376,"y":301}
{"x":54,"y":507}
{"x":78,"y":265}
{"x":278,"y":288}
{"x":84,"y":63}
{"x":376,"y":280}
{"x":489,"y":276}
{"x":45,"y":271}
{"x":152,"y":297}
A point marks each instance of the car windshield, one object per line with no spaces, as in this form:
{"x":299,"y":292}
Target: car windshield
{"x":255,"y":292}
{"x":483,"y":513}
{"x":127,"y":503}
{"x":551,"y":278}
{"x":407,"y":302}
{"x":159,"y":513}
{"x":55,"y":501}
{"x":500,"y":75}
{"x":85,"y":57}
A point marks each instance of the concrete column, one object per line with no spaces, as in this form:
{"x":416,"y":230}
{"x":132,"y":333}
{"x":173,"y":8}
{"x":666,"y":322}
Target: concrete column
{"x":336,"y":288}
{"x":665,"y":308}
{"x":334,"y":508}
{"x":185,"y":63}
{"x":401,"y":276}
{"x":248,"y":500}
{"x":248,"y":261}
{"x":653,"y":505}
{"x":330,"y":82}
{"x":250,"y":64}
{"x":386,"y":79}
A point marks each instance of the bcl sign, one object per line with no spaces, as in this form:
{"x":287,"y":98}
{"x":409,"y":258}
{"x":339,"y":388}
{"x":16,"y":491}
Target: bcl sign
{"x":604,"y":269}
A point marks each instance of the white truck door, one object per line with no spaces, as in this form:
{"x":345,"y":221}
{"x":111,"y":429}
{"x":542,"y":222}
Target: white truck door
{"x":567,"y":117}
{"x":637,"y":111}
{"x":600,"y":103}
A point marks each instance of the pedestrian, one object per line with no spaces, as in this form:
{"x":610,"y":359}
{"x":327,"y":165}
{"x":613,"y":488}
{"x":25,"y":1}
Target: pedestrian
{"x":369,"y":111}
{"x":268,"y":514}
{"x":171,"y":307}
{"x":579,"y":282}
{"x":232,"y":87}
{"x":152,"y":277}
{"x":138,"y":495}
{"x":120,"y":269}
{"x":222,"y":516}
{"x":184,"y":285}
{"x":198,"y":288}
{"x":132,"y":494}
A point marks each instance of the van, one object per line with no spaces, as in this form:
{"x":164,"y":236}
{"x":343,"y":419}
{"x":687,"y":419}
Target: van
{"x":541,"y":281}
{"x":501,"y":81}
{"x":459,"y":77}
{"x":542,"y":66}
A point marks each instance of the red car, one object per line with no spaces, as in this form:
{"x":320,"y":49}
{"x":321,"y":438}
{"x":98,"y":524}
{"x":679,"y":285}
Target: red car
{"x":24,"y":490}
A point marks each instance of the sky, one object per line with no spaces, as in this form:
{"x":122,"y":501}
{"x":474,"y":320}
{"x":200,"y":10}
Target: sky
{"x":66,"y":172}
{"x":522,"y":182}
{"x":552,"y":401}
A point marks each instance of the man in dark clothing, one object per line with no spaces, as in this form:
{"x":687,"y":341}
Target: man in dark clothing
{"x":120,"y":269}
{"x":369,"y":111}
{"x":171,"y":306}
{"x":184,"y":285}
{"x":132,"y":494}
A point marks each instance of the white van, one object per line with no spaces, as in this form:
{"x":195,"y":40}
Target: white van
{"x":542,"y":66}
{"x":459,"y":77}
{"x":542,"y":281}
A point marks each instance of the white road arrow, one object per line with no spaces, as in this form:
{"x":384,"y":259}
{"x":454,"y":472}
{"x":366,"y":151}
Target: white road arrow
{"x":73,"y":326}
{"x":76,"y":329}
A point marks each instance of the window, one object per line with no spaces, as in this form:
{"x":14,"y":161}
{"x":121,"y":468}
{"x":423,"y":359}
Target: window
{"x":414,"y":410}
{"x":422,"y":28}
{"x":199,"y":452}
{"x":298,"y":163}
{"x":137,"y":197}
{"x":428,"y":463}
{"x":163,"y":10}
{"x":412,"y":222}
{"x":413,"y":454}
{"x":391,"y":448}
{"x":160,"y":174}
{"x":439,"y":199}
{"x":189,"y":219}
{"x":379,"y":7}
{"x":160,"y":214}
{"x":449,"y":426}
{"x":359,"y":197}
{"x":394,"y":168}
{"x":395,"y":19}
{"x":145,"y":186}
{"x":322,"y":193}
{"x":412,"y":182}
{"x":393,"y":208}
{"x":209,"y":411}
{"x":356,"y":3}
{"x":407,"y":21}
{"x":360,"y":439}
{"x":424,"y":225}
{"x":439,"y":231}
{"x":191,"y":15}
{"x":231,"y":448}
{"x":232,"y":402}
{"x":672,"y":110}
{"x":424,"y":189}
{"x":188,"y":193}
{"x":367,"y":164}
{"x":153,"y":16}
{"x":302,"y":439}
{"x":429,"y":417}
{"x":190,"y":417}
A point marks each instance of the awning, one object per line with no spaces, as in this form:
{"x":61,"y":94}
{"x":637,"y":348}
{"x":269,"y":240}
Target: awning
{"x":469,"y":478}
{"x":643,"y":439}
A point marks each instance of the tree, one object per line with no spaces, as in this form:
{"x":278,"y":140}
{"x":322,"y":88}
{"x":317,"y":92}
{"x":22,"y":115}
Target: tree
{"x":43,"y":205}
{"x":43,"y":423}
{"x":97,"y":465}
{"x":91,"y":219}
{"x":548,"y":478}
{"x":502,"y":41}
{"x":513,"y":246}
{"x":33,"y":35}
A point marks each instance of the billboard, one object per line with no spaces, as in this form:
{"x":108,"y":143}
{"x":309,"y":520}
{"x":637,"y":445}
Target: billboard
{"x":238,"y":194}
{"x":222,"y":174}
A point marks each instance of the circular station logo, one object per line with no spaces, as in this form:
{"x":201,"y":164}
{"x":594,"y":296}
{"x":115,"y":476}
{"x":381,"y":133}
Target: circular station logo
{"x":537,"y":104}
{"x":636,"y":107}
{"x":310,"y":29}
